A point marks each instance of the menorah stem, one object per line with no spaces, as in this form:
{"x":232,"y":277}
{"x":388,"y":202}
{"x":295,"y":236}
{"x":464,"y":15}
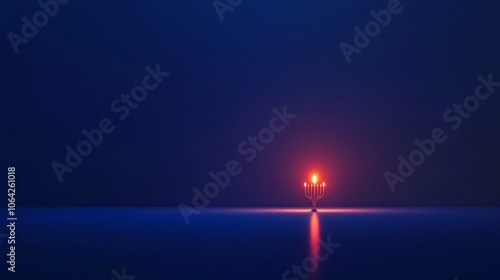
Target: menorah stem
{"x":314,"y":202}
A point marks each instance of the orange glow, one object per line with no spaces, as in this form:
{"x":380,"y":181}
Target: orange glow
{"x":307,"y":211}
{"x":314,"y":179}
{"x":314,"y":233}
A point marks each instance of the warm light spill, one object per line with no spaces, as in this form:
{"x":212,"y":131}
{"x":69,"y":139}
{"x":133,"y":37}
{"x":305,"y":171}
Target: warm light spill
{"x":314,"y":179}
{"x":314,"y":233}
{"x":306,"y":211}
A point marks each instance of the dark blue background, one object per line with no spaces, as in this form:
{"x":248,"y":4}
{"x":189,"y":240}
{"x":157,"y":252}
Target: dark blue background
{"x":353,"y":119}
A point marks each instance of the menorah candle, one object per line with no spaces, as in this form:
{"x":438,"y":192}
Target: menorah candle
{"x":314,"y":191}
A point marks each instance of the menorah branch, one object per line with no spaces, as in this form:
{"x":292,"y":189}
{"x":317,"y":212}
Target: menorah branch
{"x":314,"y":192}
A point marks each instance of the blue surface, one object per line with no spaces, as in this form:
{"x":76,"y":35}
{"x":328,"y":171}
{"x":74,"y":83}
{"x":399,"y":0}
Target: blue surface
{"x":229,"y":243}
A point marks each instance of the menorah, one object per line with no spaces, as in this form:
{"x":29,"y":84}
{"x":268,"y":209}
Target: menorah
{"x":314,"y":192}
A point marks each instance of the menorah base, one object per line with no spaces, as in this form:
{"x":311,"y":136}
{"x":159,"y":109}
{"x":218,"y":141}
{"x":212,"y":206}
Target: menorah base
{"x":314,"y":210}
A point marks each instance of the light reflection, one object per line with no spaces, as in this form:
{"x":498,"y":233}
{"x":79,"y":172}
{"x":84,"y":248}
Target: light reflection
{"x":314,"y":233}
{"x":314,"y":236}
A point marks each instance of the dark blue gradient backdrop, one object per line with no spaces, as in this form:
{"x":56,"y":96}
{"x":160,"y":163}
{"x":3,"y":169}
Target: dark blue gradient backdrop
{"x":221,"y":108}
{"x":353,"y":120}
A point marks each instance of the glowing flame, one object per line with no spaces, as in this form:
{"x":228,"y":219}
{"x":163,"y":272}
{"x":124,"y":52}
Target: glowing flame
{"x":314,"y":179}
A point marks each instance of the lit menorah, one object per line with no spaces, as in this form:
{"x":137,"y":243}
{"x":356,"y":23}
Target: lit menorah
{"x":314,"y":192}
